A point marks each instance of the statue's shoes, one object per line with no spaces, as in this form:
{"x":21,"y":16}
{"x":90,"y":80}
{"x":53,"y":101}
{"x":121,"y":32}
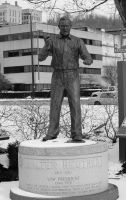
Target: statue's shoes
{"x":78,"y":141}
{"x":47,"y":137}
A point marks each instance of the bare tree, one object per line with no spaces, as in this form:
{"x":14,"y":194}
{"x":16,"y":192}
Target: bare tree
{"x":81,"y":6}
{"x":110,"y":75}
{"x":72,"y":6}
{"x":30,"y":121}
{"x":5,"y":115}
{"x":4,"y":83}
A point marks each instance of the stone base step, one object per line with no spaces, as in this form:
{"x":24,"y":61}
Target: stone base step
{"x":110,"y":194}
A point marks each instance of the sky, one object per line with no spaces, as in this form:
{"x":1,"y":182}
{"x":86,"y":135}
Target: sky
{"x":107,"y":9}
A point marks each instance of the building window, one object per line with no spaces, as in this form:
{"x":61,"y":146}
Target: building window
{"x":89,"y":70}
{"x":11,"y":53}
{"x":16,"y":36}
{"x":27,"y":68}
{"x":21,"y":52}
{"x":96,"y":56}
{"x":92,"y":42}
{"x":20,"y":36}
{"x":96,"y":43}
{"x":3,"y":38}
{"x":25,"y":52}
{"x":16,"y":69}
{"x":44,"y":68}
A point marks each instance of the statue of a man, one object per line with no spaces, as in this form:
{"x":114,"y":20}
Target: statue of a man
{"x":66,"y":50}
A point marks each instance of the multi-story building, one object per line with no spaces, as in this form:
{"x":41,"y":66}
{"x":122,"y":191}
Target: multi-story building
{"x":16,"y":53}
{"x":36,"y":16}
{"x":10,"y":14}
{"x":109,"y":56}
{"x":120,"y":45}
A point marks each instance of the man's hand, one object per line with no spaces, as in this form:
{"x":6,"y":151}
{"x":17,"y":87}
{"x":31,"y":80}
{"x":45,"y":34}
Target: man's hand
{"x":46,"y":37}
{"x":47,"y":40}
{"x":88,"y":62}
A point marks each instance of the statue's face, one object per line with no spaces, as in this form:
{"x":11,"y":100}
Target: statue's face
{"x":65,"y":26}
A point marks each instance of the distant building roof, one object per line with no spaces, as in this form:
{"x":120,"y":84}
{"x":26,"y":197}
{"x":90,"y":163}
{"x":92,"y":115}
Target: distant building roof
{"x":82,"y":28}
{"x":87,"y":28}
{"x":115,"y":31}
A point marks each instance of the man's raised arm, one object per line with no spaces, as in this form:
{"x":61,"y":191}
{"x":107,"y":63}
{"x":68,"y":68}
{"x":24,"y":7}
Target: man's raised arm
{"x":46,"y":50}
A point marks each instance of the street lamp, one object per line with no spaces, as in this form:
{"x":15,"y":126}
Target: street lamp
{"x":32,"y":59}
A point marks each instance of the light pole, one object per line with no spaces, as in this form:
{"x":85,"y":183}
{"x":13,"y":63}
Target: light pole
{"x":32,"y":59}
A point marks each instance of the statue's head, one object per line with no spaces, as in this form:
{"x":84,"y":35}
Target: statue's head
{"x":65,"y":26}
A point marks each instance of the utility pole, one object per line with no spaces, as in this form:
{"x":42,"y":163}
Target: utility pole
{"x":32,"y":59}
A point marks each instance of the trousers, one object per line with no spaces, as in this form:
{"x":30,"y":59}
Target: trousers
{"x":65,"y":80}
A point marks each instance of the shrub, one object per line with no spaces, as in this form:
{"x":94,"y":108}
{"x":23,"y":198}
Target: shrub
{"x":12,"y":150}
{"x":10,"y":173}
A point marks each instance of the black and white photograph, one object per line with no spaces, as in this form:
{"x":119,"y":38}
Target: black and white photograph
{"x":62,"y":99}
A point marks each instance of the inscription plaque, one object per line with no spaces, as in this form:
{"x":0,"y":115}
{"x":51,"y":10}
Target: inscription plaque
{"x":61,"y":174}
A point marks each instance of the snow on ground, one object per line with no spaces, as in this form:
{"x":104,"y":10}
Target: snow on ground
{"x":121,"y":187}
{"x":5,"y":189}
{"x":114,"y":167}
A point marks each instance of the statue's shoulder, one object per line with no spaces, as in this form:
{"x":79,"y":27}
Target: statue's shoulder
{"x":75,"y":38}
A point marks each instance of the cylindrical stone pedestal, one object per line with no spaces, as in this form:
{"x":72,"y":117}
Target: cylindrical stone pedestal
{"x":61,"y":170}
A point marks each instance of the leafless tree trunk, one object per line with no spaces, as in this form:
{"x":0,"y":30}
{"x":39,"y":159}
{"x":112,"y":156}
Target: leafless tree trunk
{"x":121,"y":6}
{"x":110,"y":75}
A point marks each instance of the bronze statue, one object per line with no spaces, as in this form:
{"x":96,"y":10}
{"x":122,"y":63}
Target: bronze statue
{"x":65,"y":50}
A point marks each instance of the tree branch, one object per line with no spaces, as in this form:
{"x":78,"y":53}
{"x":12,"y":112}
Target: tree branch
{"x":38,"y":1}
{"x":88,"y":10}
{"x":75,"y":2}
